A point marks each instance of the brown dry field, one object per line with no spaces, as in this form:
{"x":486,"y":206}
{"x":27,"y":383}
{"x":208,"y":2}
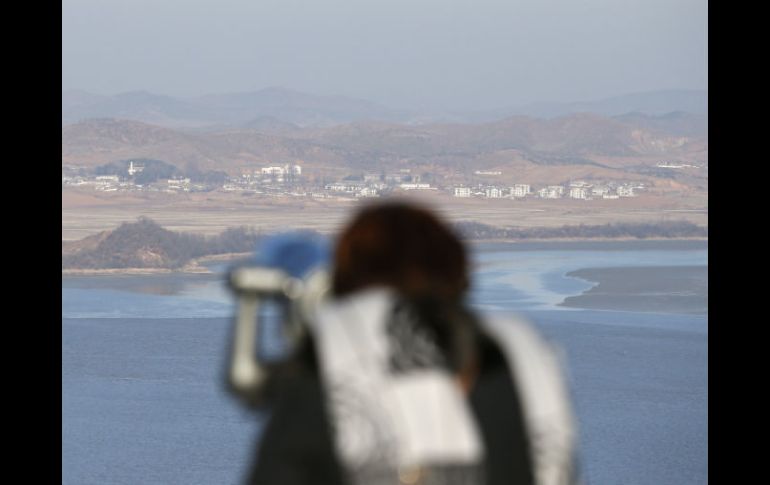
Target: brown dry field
{"x":85,"y":213}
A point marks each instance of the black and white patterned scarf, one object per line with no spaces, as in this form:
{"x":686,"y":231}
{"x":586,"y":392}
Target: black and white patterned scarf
{"x":399,"y":417}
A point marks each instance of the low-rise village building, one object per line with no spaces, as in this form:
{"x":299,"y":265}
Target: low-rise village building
{"x":493,"y":193}
{"x":520,"y":190}
{"x":578,"y":193}
{"x":134,"y":169}
{"x":281,"y":173}
{"x":412,"y":186}
{"x":179,"y":184}
{"x":625,"y":191}
{"x":345,"y":187}
{"x":462,"y":192}
{"x":600,"y":191}
{"x":368,"y":192}
{"x":551,"y":192}
{"x":108,"y":178}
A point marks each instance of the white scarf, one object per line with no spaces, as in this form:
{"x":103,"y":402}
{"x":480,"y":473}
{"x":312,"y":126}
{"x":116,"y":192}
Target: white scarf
{"x":394,"y":408}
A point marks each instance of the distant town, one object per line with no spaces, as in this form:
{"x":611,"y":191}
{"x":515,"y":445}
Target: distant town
{"x":290,"y":180}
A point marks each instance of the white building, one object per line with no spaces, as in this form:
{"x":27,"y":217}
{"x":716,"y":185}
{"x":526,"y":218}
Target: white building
{"x":493,"y":193}
{"x":108,"y":178}
{"x":345,"y":187}
{"x":368,"y":192}
{"x":282,"y":171}
{"x":600,"y":191}
{"x":487,"y":172}
{"x":272,"y":171}
{"x":578,"y":192}
{"x":520,"y":190}
{"x":414,"y":186}
{"x":462,"y":192}
{"x":132,"y":169}
{"x":625,"y":191}
{"x":551,"y":192}
{"x":337,"y":187}
{"x":179,"y":184}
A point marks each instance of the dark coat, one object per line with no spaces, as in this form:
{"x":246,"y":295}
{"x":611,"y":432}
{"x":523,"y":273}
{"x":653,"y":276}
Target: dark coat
{"x":297,"y":448}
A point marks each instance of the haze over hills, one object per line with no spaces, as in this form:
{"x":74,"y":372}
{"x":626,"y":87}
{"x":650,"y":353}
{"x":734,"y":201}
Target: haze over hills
{"x":308,"y":110}
{"x":234,"y":109}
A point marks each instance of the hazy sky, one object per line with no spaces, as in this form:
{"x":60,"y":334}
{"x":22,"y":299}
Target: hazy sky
{"x":445,"y":54}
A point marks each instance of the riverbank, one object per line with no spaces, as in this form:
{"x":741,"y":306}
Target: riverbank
{"x":593,"y":244}
{"x":603,"y":244}
{"x":196,"y":266}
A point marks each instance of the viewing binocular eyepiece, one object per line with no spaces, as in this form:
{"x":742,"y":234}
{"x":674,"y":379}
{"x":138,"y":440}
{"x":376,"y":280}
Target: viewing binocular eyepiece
{"x":289,"y":273}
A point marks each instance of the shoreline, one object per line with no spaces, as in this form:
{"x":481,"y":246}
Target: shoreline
{"x":605,"y":244}
{"x":193,"y":267}
{"x":587,"y":240}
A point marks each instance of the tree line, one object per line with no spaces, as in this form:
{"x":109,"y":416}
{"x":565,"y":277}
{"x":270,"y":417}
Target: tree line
{"x":145,"y":244}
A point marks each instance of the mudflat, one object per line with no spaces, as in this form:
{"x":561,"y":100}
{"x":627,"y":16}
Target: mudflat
{"x":663,"y":289}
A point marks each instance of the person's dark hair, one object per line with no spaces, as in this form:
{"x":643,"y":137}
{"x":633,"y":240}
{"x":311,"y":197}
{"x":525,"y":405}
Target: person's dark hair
{"x":401,"y":247}
{"x":407,"y":249}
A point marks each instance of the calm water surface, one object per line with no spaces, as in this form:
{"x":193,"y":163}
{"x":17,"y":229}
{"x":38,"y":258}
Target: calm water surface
{"x":143,"y":361}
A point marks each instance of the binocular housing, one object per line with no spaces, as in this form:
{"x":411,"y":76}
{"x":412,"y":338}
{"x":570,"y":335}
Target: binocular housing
{"x":254,"y":287}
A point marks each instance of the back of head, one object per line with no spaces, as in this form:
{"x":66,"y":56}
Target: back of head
{"x":408,"y":250}
{"x":402,"y":247}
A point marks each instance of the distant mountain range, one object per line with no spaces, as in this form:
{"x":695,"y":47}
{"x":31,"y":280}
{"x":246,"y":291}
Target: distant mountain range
{"x":282,"y":105}
{"x":278,"y":109}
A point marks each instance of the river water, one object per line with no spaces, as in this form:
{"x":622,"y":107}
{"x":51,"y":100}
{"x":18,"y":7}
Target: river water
{"x":143,"y":359}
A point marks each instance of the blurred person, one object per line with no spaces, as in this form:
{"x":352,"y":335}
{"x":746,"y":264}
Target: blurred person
{"x":397,"y":380}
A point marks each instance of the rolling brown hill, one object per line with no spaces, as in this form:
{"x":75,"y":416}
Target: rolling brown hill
{"x":581,"y":140}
